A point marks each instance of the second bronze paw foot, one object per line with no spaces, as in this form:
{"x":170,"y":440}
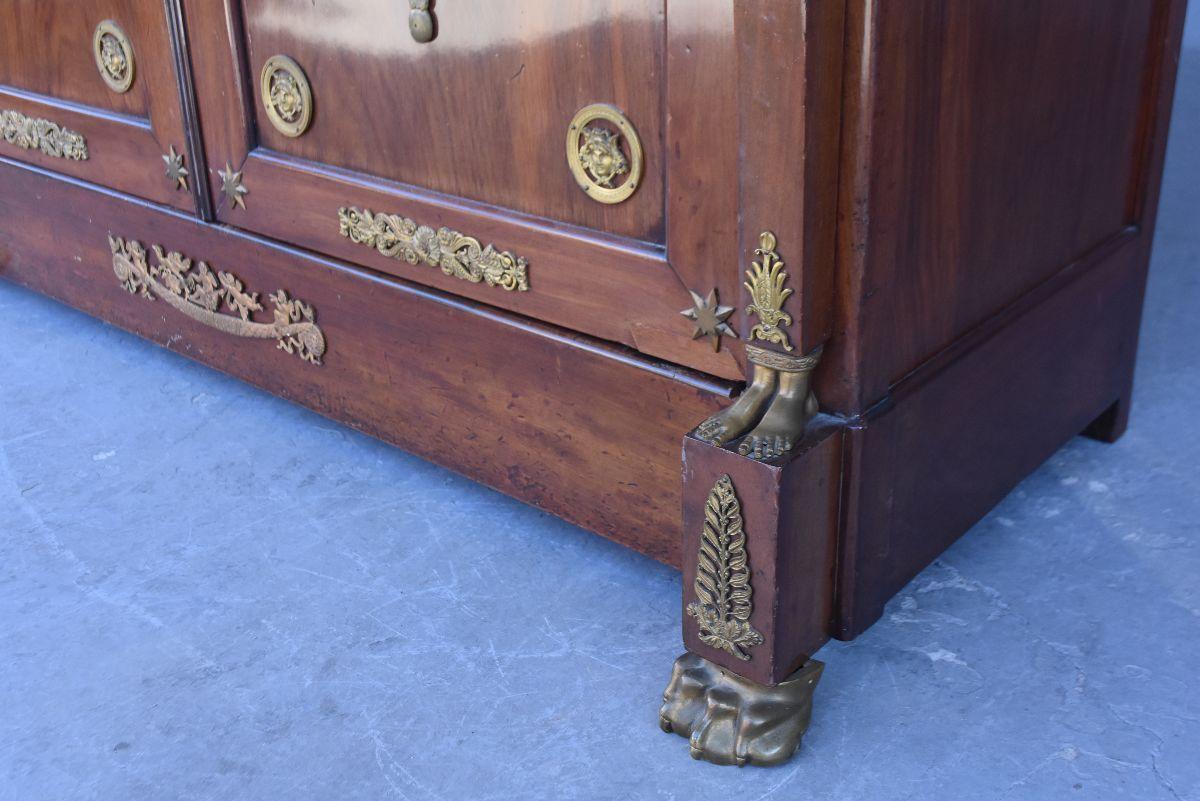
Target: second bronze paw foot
{"x":729,"y":720}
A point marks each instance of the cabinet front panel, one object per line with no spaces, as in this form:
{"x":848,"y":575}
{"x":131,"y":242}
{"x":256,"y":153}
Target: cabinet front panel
{"x":47,"y":49}
{"x":88,"y":88}
{"x":482,"y":110}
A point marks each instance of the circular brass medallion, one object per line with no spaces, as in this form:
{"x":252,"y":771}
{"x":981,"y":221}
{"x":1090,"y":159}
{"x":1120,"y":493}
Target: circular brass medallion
{"x":286,"y":95}
{"x":114,"y":56}
{"x":604,"y":153}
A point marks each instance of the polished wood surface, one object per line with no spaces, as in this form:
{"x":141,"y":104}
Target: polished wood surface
{"x":46,"y":49}
{"x":579,"y":276}
{"x":48,"y":71}
{"x":987,"y":148}
{"x":1053,"y":356}
{"x":790,"y":518}
{"x":964,"y":192}
{"x":954,"y":443}
{"x":481,"y":112}
{"x":789,"y":58}
{"x":586,"y":432}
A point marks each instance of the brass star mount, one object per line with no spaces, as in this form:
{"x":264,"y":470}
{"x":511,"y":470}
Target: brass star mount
{"x":175,"y":171}
{"x":232,"y":187}
{"x":709,"y":317}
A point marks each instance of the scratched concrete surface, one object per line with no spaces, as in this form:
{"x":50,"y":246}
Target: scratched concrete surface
{"x":208,"y":593}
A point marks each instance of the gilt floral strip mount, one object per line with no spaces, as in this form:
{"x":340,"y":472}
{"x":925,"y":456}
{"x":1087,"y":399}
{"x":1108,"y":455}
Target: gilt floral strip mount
{"x":200,"y":293}
{"x":33,"y":133}
{"x":457,"y":255}
{"x":722,"y":584}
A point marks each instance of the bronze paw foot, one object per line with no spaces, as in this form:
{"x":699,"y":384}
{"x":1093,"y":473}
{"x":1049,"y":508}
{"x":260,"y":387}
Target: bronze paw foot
{"x":729,"y":720}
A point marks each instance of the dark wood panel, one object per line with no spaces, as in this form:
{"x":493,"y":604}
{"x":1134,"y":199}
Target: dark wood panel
{"x":46,"y":48}
{"x":986,"y":149}
{"x":958,"y":436}
{"x":584,"y":279}
{"x":955,"y":433}
{"x":790,"y":523}
{"x":482,"y":111}
{"x":582,"y":430}
{"x":702,"y":151}
{"x":611,"y":288}
{"x":48,"y":71}
{"x":790,"y":78}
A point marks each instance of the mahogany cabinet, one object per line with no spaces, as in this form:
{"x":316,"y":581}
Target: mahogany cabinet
{"x":871,"y":262}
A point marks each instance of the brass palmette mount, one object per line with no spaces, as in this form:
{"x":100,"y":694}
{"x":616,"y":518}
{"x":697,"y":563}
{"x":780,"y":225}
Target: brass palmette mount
{"x":199,"y":293}
{"x":773,"y":411}
{"x":766,"y":280}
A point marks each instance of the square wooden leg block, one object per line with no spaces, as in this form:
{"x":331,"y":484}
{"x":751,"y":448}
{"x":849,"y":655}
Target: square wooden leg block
{"x":760,"y":537}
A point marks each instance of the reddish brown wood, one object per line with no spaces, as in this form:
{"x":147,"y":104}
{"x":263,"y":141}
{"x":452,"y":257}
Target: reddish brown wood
{"x":481,"y":112}
{"x":1029,"y":313}
{"x":958,"y":436}
{"x":994,"y":168}
{"x":587,"y":273}
{"x":702,"y":151}
{"x":986,"y":148}
{"x":790,"y":522}
{"x":47,"y":70}
{"x":789,"y":67}
{"x":611,"y":288}
{"x":582,"y":430}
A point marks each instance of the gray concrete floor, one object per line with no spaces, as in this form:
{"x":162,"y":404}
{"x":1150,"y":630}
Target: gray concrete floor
{"x":208,"y":593}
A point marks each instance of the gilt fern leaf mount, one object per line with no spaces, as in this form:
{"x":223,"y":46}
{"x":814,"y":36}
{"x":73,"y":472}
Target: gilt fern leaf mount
{"x":723,"y":606}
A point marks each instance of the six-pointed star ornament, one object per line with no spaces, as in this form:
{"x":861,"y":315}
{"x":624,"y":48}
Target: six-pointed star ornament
{"x":232,"y":186}
{"x":175,"y":169}
{"x":709,"y":317}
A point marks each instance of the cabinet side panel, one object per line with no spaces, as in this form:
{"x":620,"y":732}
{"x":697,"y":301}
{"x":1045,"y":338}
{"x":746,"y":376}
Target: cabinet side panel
{"x":996,"y":146}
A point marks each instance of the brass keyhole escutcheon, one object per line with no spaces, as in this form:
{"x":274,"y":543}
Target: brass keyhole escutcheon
{"x":604,"y":153}
{"x":286,"y":96}
{"x":114,"y":56}
{"x":421,"y":23}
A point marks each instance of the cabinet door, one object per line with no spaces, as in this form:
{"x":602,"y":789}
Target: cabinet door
{"x":461,"y":142}
{"x":89,"y":88}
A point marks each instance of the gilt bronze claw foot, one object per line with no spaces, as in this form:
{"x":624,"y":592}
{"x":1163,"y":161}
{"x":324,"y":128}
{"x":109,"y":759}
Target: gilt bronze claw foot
{"x":730,"y":720}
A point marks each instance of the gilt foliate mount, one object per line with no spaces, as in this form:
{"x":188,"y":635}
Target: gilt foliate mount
{"x":35,"y":133}
{"x":766,"y":280}
{"x":460,"y":256}
{"x":194,"y":289}
{"x":723,"y":589}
